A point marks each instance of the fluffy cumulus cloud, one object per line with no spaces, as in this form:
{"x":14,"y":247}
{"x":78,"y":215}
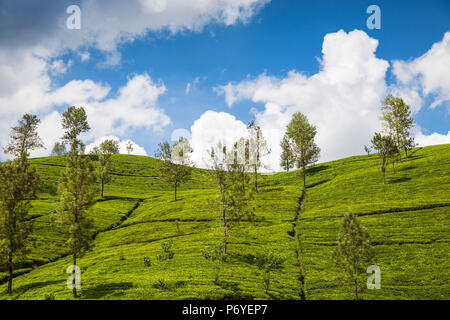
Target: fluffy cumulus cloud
{"x":137,"y":149}
{"x":343,"y":99}
{"x":31,"y":58}
{"x":211,"y":128}
{"x":428,"y":73}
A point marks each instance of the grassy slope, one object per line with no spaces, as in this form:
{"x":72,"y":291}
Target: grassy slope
{"x":408,"y":219}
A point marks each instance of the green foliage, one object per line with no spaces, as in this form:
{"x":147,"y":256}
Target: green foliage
{"x":287,"y":155}
{"x":268,"y":262}
{"x":18,"y":186}
{"x":176,"y":166}
{"x":258,"y":149}
{"x":74,"y":122}
{"x":24,"y":137}
{"x":305,"y":149}
{"x":216,"y":256}
{"x":354,"y":252}
{"x":386,"y":149}
{"x":398,"y":122}
{"x":407,"y":218}
{"x":163,"y":258}
{"x":49,"y":296}
{"x":106,"y":149}
{"x":147,"y":261}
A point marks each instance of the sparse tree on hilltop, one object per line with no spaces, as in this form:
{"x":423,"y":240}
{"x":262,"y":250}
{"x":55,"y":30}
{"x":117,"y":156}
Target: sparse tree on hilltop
{"x":58,"y":149}
{"x":18,"y":186}
{"x":398,"y":122}
{"x":367,"y":150}
{"x":386,"y":148}
{"x":129,"y":147}
{"x":305,"y":149}
{"x":175,"y":166}
{"x":258,"y":150}
{"x":354,"y":252}
{"x":287,"y":155}
{"x":106,"y":149}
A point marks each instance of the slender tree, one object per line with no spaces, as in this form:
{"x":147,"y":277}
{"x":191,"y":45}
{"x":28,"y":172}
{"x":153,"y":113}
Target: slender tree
{"x":287,"y":155}
{"x":18,"y":185}
{"x":258,"y":149}
{"x":76,"y":186}
{"x":397,"y":122}
{"x":106,"y":149}
{"x":354,"y":252}
{"x":218,"y":166}
{"x":386,"y":148}
{"x":305,"y":149}
{"x":129,"y":147}
{"x":367,"y":150}
{"x":175,"y":166}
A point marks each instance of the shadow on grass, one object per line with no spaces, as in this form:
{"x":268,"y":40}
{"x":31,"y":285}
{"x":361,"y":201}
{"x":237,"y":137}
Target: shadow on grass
{"x":399,"y":180}
{"x":115,"y":288}
{"x":315,"y":184}
{"x":35,"y":285}
{"x":316,"y":169}
{"x":245,"y":258}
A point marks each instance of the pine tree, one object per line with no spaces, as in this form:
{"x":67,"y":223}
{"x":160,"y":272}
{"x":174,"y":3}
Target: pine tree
{"x":305,"y":149}
{"x":76,"y":186}
{"x":18,"y":186}
{"x":354,"y":252}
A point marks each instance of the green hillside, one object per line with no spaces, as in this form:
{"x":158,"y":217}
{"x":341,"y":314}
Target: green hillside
{"x":407,"y":218}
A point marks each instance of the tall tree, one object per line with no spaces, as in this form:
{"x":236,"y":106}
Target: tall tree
{"x":386,"y":148}
{"x":305,"y":149}
{"x":175,"y":166}
{"x":397,"y":122}
{"x":18,"y":185}
{"x":354,"y":252}
{"x":218,"y":166}
{"x":106,"y":149}
{"x":287,"y":155}
{"x":258,"y":149}
{"x":76,"y":186}
{"x":24,"y":137}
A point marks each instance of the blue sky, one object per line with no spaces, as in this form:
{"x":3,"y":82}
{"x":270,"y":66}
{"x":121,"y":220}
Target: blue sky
{"x":275,"y":38}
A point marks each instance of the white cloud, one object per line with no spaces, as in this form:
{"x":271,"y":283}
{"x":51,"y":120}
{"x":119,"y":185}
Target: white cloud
{"x":137,"y":149}
{"x":211,"y":128}
{"x":342,"y":100}
{"x":428,"y":72}
{"x":32,"y":56}
{"x":432,"y":139}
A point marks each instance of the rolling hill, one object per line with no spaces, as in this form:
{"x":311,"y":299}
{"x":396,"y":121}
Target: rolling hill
{"x":407,"y":218}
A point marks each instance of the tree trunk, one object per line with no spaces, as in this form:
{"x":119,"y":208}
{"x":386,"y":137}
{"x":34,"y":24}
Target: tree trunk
{"x":356,"y":289}
{"x":224,"y":230}
{"x":256,"y":178}
{"x":10,"y":270}
{"x":175,"y":192}
{"x":74,"y":280}
{"x":384,"y":174}
{"x":103,"y":184}
{"x":304,"y":177}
